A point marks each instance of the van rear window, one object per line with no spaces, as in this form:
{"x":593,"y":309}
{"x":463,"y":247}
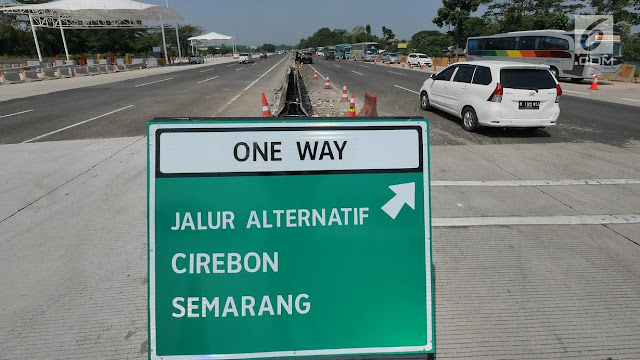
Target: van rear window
{"x":527,"y":79}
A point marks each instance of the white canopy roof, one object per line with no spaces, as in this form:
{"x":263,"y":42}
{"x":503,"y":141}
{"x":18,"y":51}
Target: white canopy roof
{"x":94,"y":13}
{"x":211,"y":36}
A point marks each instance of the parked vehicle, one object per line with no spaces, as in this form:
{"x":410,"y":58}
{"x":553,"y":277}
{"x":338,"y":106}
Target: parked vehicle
{"x":245,"y":58}
{"x":495,"y":93}
{"x":196,"y":59}
{"x":263,"y":55}
{"x":417,"y":59}
{"x":390,"y":57}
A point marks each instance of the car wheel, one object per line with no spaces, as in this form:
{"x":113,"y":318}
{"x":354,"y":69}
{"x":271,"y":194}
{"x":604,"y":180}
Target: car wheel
{"x":554,"y":72}
{"x":424,"y":101}
{"x":469,"y":119}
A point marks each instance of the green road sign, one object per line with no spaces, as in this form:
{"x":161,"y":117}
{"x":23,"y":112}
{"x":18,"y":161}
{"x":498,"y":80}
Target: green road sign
{"x":275,"y":239}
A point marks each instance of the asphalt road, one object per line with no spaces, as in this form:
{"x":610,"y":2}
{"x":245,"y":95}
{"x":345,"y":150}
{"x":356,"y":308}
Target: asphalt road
{"x":581,"y":120}
{"x":201,"y":91}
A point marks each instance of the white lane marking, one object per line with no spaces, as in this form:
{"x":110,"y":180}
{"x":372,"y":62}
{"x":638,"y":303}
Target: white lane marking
{"x":18,"y":113}
{"x":629,"y":99}
{"x":404,"y":88}
{"x":322,"y":76}
{"x":397,"y":73}
{"x":205,"y":80}
{"x":537,"y":220}
{"x":353,"y":71}
{"x":207,"y":70}
{"x":240,"y":68}
{"x":575,"y":92}
{"x":230,"y":64}
{"x":336,"y":65}
{"x":538,"y":182}
{"x":74,"y":125}
{"x":248,"y":87}
{"x":153,"y":82}
{"x":364,"y":66}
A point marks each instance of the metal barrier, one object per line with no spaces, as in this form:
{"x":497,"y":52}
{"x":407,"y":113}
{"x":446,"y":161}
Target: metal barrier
{"x":152,"y":62}
{"x":104,"y":69}
{"x":93,"y":70}
{"x":32,"y":75}
{"x":121,"y":67}
{"x":135,"y":66}
{"x":370,"y":108}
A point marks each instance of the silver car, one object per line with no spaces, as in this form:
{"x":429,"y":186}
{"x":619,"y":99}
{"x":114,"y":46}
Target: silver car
{"x":390,"y":57}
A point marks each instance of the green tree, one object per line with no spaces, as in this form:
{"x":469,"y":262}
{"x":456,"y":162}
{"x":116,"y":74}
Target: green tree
{"x":269,"y":47}
{"x":453,"y":15}
{"x":368,"y":31}
{"x":626,"y":13}
{"x":430,"y":42}
{"x":388,"y":35}
{"x":517,"y":15}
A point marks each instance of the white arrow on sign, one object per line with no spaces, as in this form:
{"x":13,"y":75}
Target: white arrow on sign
{"x":405,"y":194}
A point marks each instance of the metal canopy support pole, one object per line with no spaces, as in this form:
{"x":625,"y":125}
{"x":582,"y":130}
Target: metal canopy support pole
{"x":164,"y":42}
{"x":64,"y":42}
{"x":35,"y":37}
{"x":178,"y":41}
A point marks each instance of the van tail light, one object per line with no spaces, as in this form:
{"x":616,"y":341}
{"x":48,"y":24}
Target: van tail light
{"x":496,"y":96}
{"x":558,"y":92}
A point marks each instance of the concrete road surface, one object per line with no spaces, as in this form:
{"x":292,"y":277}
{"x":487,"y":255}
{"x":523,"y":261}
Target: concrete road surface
{"x":536,"y":238}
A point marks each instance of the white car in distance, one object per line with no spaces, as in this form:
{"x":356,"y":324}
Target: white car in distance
{"x":417,"y":59}
{"x":245,"y":58}
{"x":495,"y":93}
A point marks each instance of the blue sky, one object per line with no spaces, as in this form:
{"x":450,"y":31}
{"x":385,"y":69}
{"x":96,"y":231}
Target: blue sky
{"x":256,"y":22}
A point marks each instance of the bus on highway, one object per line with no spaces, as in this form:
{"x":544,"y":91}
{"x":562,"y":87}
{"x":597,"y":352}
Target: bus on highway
{"x":343,"y":51}
{"x":366,"y":51}
{"x":556,"y":48}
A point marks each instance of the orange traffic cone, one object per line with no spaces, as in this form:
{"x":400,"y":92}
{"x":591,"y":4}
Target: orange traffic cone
{"x":345,"y":96}
{"x":315,"y":74}
{"x":115,"y":69}
{"x":147,"y":66}
{"x":402,"y":64}
{"x":352,"y":107}
{"x":265,"y":107}
{"x":594,"y":84}
{"x":435,"y":67}
{"x":389,"y":63}
{"x":421,"y":68}
{"x":327,"y":84}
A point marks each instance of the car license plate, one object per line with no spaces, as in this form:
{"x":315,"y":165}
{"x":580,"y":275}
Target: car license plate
{"x":529,"y":105}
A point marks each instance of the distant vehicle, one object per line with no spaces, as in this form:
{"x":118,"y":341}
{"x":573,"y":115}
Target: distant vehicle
{"x":556,"y":48}
{"x":390,"y":57}
{"x":366,"y":51}
{"x":331,"y":55}
{"x":417,"y":59}
{"x":341,"y":50}
{"x":320,"y":51}
{"x":245,"y":58}
{"x":495,"y":93}
{"x":307,"y":58}
{"x":263,"y":55}
{"x":196,"y":59}
{"x":236,"y":55}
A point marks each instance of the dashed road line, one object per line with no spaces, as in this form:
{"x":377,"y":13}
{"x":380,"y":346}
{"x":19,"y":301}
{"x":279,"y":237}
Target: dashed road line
{"x":575,"y":92}
{"x":154,"y":82}
{"x":397,"y":73}
{"x":537,"y":220}
{"x":240,"y":68}
{"x":336,"y":65}
{"x":364,"y":66}
{"x":205,"y":80}
{"x":512,"y":183}
{"x":404,"y":88}
{"x":207,"y":70}
{"x":353,"y":71}
{"x":248,"y":87}
{"x":629,"y":99}
{"x":230,"y":64}
{"x":14,"y":114}
{"x":74,"y":125}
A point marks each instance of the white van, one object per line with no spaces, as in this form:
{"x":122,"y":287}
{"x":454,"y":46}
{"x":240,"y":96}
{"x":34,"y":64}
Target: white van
{"x":494,"y":93}
{"x":245,"y":58}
